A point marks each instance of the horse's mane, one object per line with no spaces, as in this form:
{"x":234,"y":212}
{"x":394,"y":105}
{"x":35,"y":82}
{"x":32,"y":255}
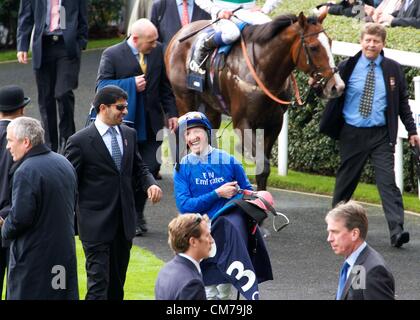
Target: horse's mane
{"x":265,"y":32}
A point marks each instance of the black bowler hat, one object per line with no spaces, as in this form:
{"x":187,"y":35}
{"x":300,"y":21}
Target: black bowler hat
{"x":12,"y":98}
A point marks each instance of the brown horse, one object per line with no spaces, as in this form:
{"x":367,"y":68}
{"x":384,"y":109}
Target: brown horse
{"x":275,"y":49}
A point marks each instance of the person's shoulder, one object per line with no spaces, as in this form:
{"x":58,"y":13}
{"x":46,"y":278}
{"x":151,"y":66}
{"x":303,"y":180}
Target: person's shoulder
{"x":114,"y":48}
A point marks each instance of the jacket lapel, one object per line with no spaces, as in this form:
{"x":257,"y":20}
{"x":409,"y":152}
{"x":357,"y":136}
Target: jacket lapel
{"x":352,"y":277}
{"x":125,"y":142}
{"x":129,"y":57}
{"x":98,"y":144}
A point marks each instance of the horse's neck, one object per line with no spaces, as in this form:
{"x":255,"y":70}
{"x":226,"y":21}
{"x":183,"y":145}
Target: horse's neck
{"x":273,"y":60}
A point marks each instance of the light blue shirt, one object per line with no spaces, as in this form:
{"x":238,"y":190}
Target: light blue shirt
{"x":135,"y":51}
{"x":106,"y":136}
{"x":190,"y":5}
{"x":351,"y":260}
{"x":48,"y":18}
{"x":354,"y":94}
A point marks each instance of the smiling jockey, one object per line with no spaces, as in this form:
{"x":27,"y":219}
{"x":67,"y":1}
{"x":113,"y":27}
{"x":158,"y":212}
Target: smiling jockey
{"x":226,"y":31}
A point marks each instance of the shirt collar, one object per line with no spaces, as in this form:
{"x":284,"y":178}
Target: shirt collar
{"x":197,"y":265}
{"x":351,"y":260}
{"x":103,"y":127}
{"x":179,"y":2}
{"x":366,"y":61}
{"x":132,"y":47}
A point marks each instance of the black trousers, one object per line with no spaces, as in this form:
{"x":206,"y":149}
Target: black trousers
{"x":106,"y":267}
{"x":56,"y":79}
{"x":356,"y":146}
{"x":4,"y":258}
{"x":151,"y":155}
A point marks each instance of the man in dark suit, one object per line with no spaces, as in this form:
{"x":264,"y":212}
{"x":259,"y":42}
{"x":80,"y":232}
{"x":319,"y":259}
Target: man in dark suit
{"x":59,"y":36}
{"x":12,"y":102}
{"x":137,"y":66}
{"x":109,"y":169}
{"x":364,"y":274}
{"x":365,"y":120}
{"x":407,"y":16}
{"x":171,"y":15}
{"x":191,"y":241}
{"x":40,"y":222}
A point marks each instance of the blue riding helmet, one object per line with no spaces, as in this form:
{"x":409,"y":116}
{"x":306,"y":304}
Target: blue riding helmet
{"x":194,"y":119}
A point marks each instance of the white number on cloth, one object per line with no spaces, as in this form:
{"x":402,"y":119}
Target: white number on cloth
{"x":237,"y":265}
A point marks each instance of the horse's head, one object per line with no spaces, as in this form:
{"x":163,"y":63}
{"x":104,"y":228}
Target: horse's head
{"x":312,"y":54}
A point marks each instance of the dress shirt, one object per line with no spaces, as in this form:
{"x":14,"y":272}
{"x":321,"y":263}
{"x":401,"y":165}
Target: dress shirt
{"x":197,"y":265}
{"x":47,"y":21}
{"x":354,"y":92}
{"x":106,"y":136}
{"x":190,"y":5}
{"x":351,"y":260}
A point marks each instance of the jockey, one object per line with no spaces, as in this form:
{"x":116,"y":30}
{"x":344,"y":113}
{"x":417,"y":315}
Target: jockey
{"x":226,"y":31}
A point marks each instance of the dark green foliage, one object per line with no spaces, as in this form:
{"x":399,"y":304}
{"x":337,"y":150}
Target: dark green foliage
{"x":8,"y":21}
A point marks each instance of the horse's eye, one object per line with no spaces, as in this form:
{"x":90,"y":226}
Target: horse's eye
{"x":314,"y":48}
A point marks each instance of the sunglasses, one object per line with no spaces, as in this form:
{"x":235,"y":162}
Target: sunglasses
{"x":197,"y":221}
{"x":120,"y":107}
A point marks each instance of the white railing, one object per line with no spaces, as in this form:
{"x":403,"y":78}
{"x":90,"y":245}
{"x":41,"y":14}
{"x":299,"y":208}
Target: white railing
{"x":409,"y":59}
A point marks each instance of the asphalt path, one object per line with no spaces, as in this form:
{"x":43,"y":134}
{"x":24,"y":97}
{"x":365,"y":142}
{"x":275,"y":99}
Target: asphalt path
{"x":303,"y":264}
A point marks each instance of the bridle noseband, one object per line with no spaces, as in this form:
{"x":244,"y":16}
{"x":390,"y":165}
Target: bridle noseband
{"x":316,"y":73}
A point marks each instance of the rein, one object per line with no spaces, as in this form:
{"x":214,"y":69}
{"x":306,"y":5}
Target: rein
{"x":261,"y":84}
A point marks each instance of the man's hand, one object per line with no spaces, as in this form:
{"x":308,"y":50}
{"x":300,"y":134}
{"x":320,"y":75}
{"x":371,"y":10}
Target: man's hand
{"x":369,"y":10}
{"x":173,"y":124}
{"x":140,"y":83}
{"x":1,"y":221}
{"x":22,"y":57}
{"x":228,"y":190}
{"x":224,"y":14}
{"x":414,"y":140}
{"x":154,"y":193}
{"x":386,"y":19}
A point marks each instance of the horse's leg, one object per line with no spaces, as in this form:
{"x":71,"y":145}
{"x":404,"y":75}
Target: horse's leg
{"x":270,"y":137}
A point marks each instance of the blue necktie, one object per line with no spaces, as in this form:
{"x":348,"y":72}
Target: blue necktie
{"x":115,"y":148}
{"x":342,"y":281}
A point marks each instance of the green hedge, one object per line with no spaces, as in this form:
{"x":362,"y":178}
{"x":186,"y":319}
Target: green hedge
{"x":312,"y":152}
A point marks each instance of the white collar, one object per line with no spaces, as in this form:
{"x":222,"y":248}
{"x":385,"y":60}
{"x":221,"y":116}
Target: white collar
{"x":103,"y":127}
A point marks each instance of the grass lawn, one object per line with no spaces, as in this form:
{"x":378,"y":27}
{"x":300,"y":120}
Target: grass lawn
{"x":141,"y":275}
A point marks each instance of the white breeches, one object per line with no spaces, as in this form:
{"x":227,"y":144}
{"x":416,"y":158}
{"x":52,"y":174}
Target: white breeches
{"x":230,"y":32}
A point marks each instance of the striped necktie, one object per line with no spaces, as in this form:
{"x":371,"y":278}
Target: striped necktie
{"x":185,"y":18}
{"x":115,"y":148}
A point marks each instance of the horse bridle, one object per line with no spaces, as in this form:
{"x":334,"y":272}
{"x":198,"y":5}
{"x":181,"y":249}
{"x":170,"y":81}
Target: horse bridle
{"x":316,"y":74}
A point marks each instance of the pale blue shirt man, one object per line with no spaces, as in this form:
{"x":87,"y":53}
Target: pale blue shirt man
{"x":354,"y":94}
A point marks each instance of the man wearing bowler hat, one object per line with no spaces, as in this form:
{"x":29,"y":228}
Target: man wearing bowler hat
{"x":12,"y":102}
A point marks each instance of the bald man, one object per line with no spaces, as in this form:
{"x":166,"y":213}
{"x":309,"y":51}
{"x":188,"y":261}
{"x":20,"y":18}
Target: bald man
{"x":137,"y":66}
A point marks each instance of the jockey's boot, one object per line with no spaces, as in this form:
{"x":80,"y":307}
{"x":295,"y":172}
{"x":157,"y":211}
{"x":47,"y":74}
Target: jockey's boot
{"x":205,"y":46}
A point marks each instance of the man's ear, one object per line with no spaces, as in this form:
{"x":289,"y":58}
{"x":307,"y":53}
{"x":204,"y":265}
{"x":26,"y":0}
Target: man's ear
{"x":355,"y":234}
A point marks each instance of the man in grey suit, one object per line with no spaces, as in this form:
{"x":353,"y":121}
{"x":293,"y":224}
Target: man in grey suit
{"x":60,"y":34}
{"x":364,"y":274}
{"x":180,"y":278}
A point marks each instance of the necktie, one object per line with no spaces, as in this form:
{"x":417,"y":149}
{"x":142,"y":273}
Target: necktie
{"x":115,"y":148}
{"x":369,"y":90}
{"x":343,"y":279}
{"x":54,"y":14}
{"x":143,"y":64}
{"x":185,"y":18}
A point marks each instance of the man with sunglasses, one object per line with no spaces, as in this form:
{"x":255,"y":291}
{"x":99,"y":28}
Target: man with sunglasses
{"x":109,"y":169}
{"x":137,"y":66}
{"x":191,"y":241}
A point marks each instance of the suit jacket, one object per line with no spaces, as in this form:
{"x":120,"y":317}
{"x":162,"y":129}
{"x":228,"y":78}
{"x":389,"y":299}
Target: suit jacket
{"x":33,"y":12}
{"x":179,"y":279}
{"x":408,"y":18}
{"x":118,"y":62}
{"x":6,"y":162}
{"x":170,"y":21}
{"x":332,"y":119}
{"x":105,"y":193}
{"x":379,"y":280}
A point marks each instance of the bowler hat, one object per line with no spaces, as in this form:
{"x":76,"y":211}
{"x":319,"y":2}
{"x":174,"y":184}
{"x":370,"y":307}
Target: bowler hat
{"x":12,"y":98}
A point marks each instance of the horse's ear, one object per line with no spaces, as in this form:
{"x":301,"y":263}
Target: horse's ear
{"x":322,"y":16}
{"x":302,"y":20}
